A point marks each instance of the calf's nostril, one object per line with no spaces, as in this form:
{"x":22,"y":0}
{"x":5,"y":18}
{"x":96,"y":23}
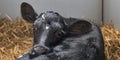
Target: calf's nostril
{"x":38,"y":50}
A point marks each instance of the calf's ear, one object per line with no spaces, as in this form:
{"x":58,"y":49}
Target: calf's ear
{"x":28,"y":12}
{"x":79,"y":27}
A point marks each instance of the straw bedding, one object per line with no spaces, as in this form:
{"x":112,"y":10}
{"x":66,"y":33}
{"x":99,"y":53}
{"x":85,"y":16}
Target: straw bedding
{"x":16,"y":38}
{"x":112,"y":42}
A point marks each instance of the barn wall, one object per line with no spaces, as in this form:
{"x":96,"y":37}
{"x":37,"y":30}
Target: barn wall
{"x":68,"y":8}
{"x":112,"y":12}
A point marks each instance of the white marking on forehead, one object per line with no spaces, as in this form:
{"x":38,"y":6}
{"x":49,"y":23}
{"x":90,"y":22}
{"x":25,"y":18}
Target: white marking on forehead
{"x":47,"y":27}
{"x":43,"y":16}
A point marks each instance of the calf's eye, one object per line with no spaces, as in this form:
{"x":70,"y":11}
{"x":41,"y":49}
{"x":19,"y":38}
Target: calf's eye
{"x":60,"y":34}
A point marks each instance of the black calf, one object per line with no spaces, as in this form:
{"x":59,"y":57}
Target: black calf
{"x":59,"y":38}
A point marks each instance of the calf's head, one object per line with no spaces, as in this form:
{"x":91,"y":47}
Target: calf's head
{"x":49,"y":27}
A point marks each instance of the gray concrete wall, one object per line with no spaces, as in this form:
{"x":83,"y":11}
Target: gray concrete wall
{"x":112,"y":12}
{"x":68,"y":8}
